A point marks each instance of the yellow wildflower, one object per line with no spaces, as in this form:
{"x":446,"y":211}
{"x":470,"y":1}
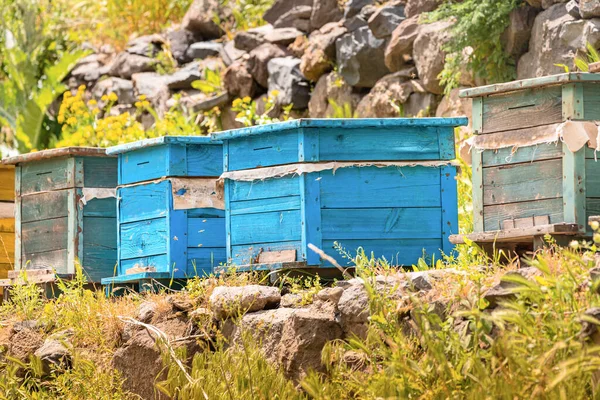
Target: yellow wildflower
{"x":72,"y":121}
{"x":142,"y":97}
{"x":112,"y":96}
{"x":60,"y":118}
{"x":92,"y":102}
{"x":104,"y":98}
{"x":247,"y":99}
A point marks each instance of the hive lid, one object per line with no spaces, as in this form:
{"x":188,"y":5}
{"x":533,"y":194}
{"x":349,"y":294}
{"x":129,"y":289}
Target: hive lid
{"x":342,"y":123}
{"x":55,"y":153}
{"x":530,"y":84}
{"x":140,"y":144}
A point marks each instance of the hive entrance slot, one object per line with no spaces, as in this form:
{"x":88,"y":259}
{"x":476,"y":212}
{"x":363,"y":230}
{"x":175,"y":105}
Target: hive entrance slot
{"x":44,"y":173}
{"x":143,"y":163}
{"x":522,"y":106}
{"x":263,"y":148}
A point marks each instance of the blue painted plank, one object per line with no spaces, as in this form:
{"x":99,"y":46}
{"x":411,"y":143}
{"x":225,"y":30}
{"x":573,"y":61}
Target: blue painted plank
{"x":446,"y":143}
{"x":341,"y":123}
{"x":176,"y":160}
{"x":101,"y":208}
{"x":373,"y":187}
{"x":206,"y":213}
{"x":265,"y":205}
{"x":264,"y":150}
{"x":143,"y":202}
{"x":449,"y":194}
{"x":396,"y":252}
{"x":204,"y":160}
{"x":99,"y":247}
{"x":410,"y":143}
{"x":203,"y":261}
{"x":158,"y":262}
{"x":99,"y":172}
{"x":269,"y":188}
{"x":266,"y":228}
{"x":381,"y":223}
{"x":160,"y":141}
{"x":143,"y":165}
{"x":135,"y":277}
{"x":247,"y":254}
{"x":311,"y":217}
{"x":206,"y":232}
{"x":177,"y":240}
{"x":143,"y":238}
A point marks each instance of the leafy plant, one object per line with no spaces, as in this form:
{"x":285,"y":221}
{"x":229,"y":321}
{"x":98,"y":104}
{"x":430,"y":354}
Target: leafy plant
{"x":245,"y":14}
{"x":343,"y":111}
{"x":248,"y":114}
{"x":478,"y":24}
{"x":582,"y":62}
{"x":211,"y":83}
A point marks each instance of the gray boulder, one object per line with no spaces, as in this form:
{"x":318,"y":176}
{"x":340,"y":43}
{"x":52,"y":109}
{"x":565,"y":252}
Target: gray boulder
{"x":416,"y":7}
{"x":282,"y":36}
{"x":354,"y":311}
{"x":54,"y":354}
{"x":123,"y":88}
{"x":400,"y":47}
{"x":227,"y":301}
{"x":360,"y":57}
{"x":319,"y":56}
{"x":324,"y":12}
{"x":202,"y":50}
{"x":202,"y":102}
{"x":505,"y":291}
{"x":231,"y":54}
{"x":331,"y":294}
{"x":126,"y":64}
{"x":359,"y":20}
{"x":147,"y":46}
{"x":285,"y":78}
{"x":183,"y":78}
{"x":390,"y":91}
{"x":260,"y":57}
{"x":252,"y":38}
{"x":179,"y":41}
{"x":385,"y":20}
{"x":557,"y":30}
{"x":291,"y":300}
{"x":589,"y":8}
{"x":282,"y":7}
{"x":154,"y":87}
{"x":573,"y":9}
{"x":516,"y":37}
{"x":298,"y":17}
{"x":199,"y":19}
{"x":331,"y":88}
{"x":354,"y":7}
{"x":429,"y":56}
{"x":238,"y":81}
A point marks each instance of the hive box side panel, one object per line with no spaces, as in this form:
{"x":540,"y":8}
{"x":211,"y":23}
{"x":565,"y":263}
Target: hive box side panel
{"x":46,"y":175}
{"x":592,"y":186}
{"x":394,"y":212}
{"x":204,"y":160}
{"x":263,"y":150}
{"x":100,"y":172}
{"x":264,"y":216}
{"x":522,"y":109}
{"x":520,"y":185}
{"x":143,"y":164}
{"x":591,"y":101}
{"x":99,"y":239}
{"x":7,"y":183}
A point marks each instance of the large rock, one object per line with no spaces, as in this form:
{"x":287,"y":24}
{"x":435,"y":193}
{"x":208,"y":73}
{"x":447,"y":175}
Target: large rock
{"x":252,"y":38}
{"x":354,"y":311}
{"x":238,"y":81}
{"x":91,"y":68}
{"x":387,"y":95}
{"x":282,"y":7}
{"x":285,"y":78}
{"x":154,"y":87}
{"x":226,"y":301}
{"x":516,"y":37}
{"x":421,"y":104}
{"x":360,"y":57}
{"x":260,"y":57}
{"x":400,"y":47}
{"x":202,"y":50}
{"x":354,"y":7}
{"x":385,"y":20}
{"x":319,"y":56}
{"x":429,"y":56}
{"x":290,"y":338}
{"x":123,"y":88}
{"x":505,"y":290}
{"x":147,"y":46}
{"x":54,"y":354}
{"x":183,"y":78}
{"x":324,"y":12}
{"x":416,"y":7}
{"x":126,"y":64}
{"x":283,"y":36}
{"x":589,"y":8}
{"x":179,"y":41}
{"x":359,"y":20}
{"x":231,"y":54}
{"x":331,"y":88}
{"x":24,"y":340}
{"x":290,"y":14}
{"x":557,"y":30}
{"x":199,"y":19}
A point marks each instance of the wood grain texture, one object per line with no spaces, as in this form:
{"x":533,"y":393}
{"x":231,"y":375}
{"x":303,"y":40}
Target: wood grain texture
{"x":56,"y":259}
{"x":522,"y":109}
{"x":494,"y":215}
{"x":311,"y":206}
{"x":101,"y":208}
{"x":522,"y":182}
{"x":248,"y":254}
{"x":449,"y":193}
{"x":158,"y":262}
{"x":143,"y":238}
{"x":51,"y":174}
{"x":202,"y":261}
{"x":265,"y":205}
{"x":45,"y":235}
{"x":99,"y":247}
{"x":46,"y":205}
{"x":143,"y":165}
{"x":7,"y":183}
{"x":381,"y":223}
{"x":100,"y":172}
{"x":7,"y":248}
{"x":527,"y":154}
{"x":269,"y":188}
{"x":204,"y":160}
{"x":142,"y":202}
{"x":477,"y":183}
{"x":591,"y":101}
{"x":574,"y":188}
{"x":264,"y":150}
{"x":278,"y":226}
{"x":206,"y":232}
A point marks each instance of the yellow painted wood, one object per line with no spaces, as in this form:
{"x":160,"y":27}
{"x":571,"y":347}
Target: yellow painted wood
{"x":7,"y":183}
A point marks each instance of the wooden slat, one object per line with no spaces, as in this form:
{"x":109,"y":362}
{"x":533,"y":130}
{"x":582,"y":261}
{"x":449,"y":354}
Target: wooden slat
{"x":574,"y":188}
{"x":159,"y":262}
{"x":269,"y":188}
{"x":522,"y":109}
{"x":143,"y":202}
{"x":99,"y":247}
{"x":449,"y":193}
{"x":7,"y":183}
{"x":508,"y":155}
{"x":494,"y":215}
{"x":265,"y":205}
{"x":248,"y":254}
{"x":143,"y":238}
{"x":267,"y":227}
{"x":523,"y":182}
{"x":7,"y":225}
{"x":39,"y":206}
{"x":7,"y":248}
{"x":53,"y":174}
{"x":100,"y":172}
{"x":204,"y":160}
{"x":143,"y":165}
{"x":264,"y":150}
{"x":206,"y":232}
{"x":45,"y":235}
{"x":591,"y":102}
{"x":203,"y":261}
{"x":56,"y":259}
{"x":101,"y":208}
{"x":381,"y":223}
{"x":477,"y":183}
{"x":517,"y":234}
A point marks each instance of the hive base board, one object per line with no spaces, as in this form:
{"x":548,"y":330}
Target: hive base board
{"x":143,"y":282}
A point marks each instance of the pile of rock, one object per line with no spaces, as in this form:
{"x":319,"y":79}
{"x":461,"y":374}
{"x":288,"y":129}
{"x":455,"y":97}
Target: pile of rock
{"x":386,"y":60}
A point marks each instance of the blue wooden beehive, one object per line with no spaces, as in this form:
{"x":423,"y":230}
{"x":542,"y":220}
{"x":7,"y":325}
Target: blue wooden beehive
{"x":171,"y":222}
{"x":385,"y":185}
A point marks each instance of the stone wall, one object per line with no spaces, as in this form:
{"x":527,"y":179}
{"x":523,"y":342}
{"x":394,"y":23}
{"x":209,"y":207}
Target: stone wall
{"x":386,"y":63}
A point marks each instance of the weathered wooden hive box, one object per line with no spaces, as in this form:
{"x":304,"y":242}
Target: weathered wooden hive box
{"x":7,"y":220}
{"x":65,"y":211}
{"x":534,"y":163}
{"x":171,"y":218}
{"x":386,"y":185}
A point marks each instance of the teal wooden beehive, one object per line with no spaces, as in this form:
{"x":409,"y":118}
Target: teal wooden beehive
{"x":534,"y":165}
{"x":384,"y":185}
{"x":171,"y":222}
{"x":65,"y":211}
